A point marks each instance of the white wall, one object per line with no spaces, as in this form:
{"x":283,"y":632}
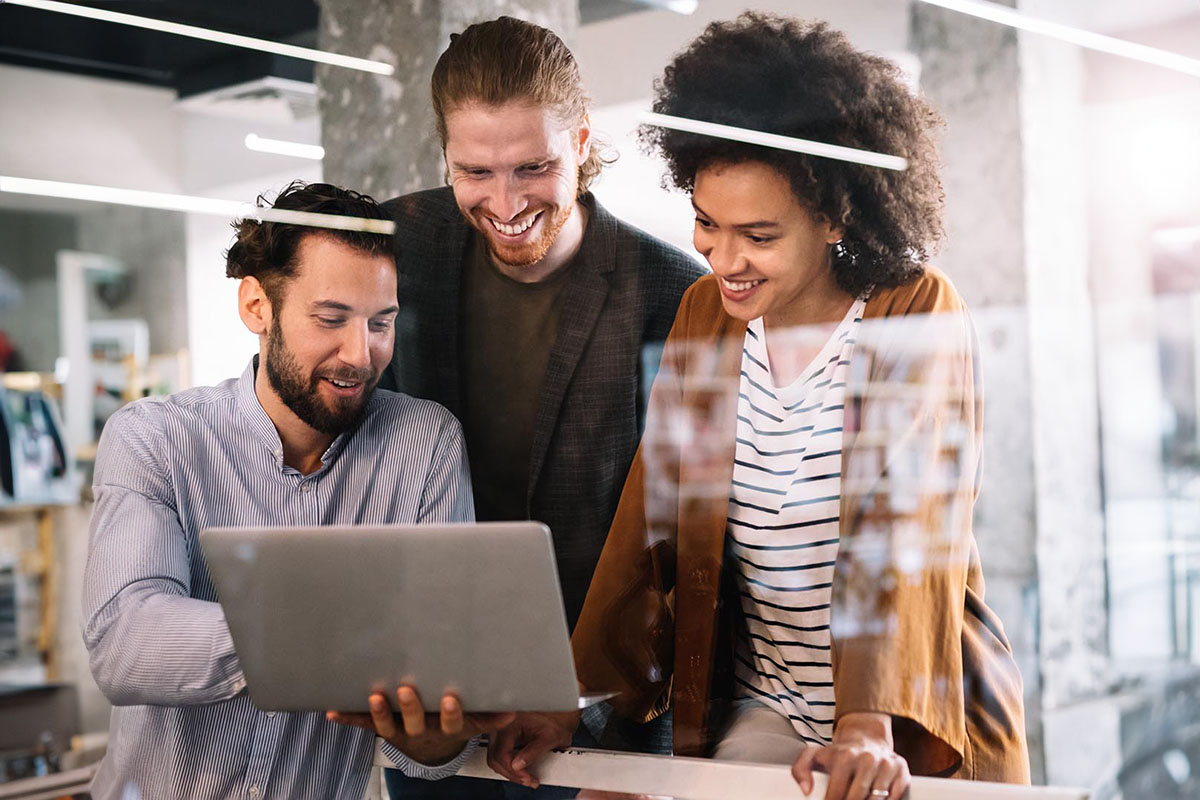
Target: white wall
{"x":620,"y":58}
{"x":214,"y":155}
{"x":87,"y":130}
{"x":631,"y":187}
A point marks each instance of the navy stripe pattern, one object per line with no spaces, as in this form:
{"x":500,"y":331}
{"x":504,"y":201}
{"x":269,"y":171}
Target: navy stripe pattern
{"x":183,"y":724}
{"x":783,"y":525}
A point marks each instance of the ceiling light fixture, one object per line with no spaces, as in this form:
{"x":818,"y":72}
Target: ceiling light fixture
{"x":685,"y":7}
{"x":262,"y":144}
{"x":867,"y":157}
{"x":193,"y":32}
{"x":189,"y":204}
{"x":1077,"y":36}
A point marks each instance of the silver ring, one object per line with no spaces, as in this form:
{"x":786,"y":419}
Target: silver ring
{"x":880,"y":793}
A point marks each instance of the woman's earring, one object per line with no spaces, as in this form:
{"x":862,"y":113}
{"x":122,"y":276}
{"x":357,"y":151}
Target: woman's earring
{"x":842,"y":254}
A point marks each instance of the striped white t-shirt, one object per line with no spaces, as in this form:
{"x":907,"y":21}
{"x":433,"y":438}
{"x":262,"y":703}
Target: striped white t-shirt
{"x":783,"y":526}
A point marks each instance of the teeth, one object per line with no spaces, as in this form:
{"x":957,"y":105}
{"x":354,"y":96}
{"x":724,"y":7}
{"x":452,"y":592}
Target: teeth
{"x":513,"y":230}
{"x":741,"y":286}
{"x":342,"y":384}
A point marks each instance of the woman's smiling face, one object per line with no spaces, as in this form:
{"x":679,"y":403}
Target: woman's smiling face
{"x":768,"y":250}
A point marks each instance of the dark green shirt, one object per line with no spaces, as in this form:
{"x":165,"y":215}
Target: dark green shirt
{"x":507,"y":330}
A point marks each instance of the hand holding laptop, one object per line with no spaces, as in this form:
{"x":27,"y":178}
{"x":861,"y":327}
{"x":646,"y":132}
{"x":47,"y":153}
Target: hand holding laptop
{"x":428,"y":738}
{"x":395,"y":606}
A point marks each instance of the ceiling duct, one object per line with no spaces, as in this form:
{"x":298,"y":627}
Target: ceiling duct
{"x":269,"y":99}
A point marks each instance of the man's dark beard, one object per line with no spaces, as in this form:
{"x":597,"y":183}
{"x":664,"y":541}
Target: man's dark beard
{"x":303,"y":397}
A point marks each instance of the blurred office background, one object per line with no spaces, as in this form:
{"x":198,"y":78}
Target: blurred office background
{"x":1074,"y":235}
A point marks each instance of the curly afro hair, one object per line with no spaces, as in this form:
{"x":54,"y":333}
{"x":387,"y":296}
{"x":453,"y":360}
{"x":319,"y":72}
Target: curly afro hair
{"x":802,"y":79}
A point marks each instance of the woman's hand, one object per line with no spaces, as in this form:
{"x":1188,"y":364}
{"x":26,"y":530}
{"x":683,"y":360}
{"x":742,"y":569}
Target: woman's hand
{"x":861,"y":762}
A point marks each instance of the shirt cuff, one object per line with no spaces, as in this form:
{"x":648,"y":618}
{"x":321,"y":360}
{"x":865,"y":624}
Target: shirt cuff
{"x":415,"y":769}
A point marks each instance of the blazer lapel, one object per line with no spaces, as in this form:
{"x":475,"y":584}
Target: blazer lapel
{"x":443,"y":310}
{"x":431,"y":239}
{"x":583,"y":300}
{"x":585,"y":293}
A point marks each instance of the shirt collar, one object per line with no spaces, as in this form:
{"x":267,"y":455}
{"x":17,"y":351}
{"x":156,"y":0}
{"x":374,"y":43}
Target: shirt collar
{"x":253,"y":415}
{"x":259,"y":422}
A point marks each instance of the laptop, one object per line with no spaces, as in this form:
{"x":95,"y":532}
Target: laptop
{"x":323,"y":616}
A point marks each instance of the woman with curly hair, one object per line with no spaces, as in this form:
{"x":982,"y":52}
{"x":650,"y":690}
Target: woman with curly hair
{"x":792,"y":566}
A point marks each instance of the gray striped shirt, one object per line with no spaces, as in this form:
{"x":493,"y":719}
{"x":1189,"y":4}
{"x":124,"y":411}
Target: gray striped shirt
{"x":160,"y":649}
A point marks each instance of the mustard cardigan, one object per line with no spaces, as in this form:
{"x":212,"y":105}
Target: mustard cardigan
{"x":911,"y":634}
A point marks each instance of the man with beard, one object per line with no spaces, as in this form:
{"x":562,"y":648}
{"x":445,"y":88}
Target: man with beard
{"x":528,"y":310}
{"x":301,"y":438}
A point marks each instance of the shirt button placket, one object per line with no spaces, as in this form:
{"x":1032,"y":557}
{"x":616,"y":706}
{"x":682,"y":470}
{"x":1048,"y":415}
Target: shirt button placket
{"x":311,"y":506}
{"x":265,"y":743}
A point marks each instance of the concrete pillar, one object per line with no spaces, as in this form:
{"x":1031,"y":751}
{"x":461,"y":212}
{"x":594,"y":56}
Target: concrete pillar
{"x":1017,"y":250}
{"x":378,"y":132}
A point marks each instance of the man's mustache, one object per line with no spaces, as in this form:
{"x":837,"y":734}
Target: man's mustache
{"x":350,"y":376}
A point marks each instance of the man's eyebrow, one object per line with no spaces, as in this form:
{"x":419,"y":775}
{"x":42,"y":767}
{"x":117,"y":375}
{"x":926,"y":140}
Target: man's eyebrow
{"x":334,"y":305}
{"x":468,"y":166}
{"x":330,"y":305}
{"x":741,"y":226}
{"x":538,"y":159}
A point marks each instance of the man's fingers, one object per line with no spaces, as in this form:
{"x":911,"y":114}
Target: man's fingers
{"x":501,"y":748}
{"x":411,"y":711}
{"x":381,"y":716}
{"x":519,"y":767}
{"x":542,"y":742}
{"x":516,"y":746}
{"x":452,"y":715}
{"x":541,"y":739}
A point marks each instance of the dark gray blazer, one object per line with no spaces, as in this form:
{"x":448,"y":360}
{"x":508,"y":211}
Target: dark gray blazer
{"x":619,"y":301}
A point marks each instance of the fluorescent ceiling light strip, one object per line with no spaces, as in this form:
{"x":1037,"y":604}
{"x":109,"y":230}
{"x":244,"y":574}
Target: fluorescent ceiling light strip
{"x":262,"y":144}
{"x":822,"y":149}
{"x":191,"y":31}
{"x":1177,"y":237}
{"x":1077,"y":36}
{"x":229,"y":209}
{"x":685,"y":7}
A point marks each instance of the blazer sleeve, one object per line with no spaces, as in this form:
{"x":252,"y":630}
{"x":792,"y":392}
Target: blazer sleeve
{"x":624,"y":638}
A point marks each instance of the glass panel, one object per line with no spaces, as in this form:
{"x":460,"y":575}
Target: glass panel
{"x":1010,"y":484}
